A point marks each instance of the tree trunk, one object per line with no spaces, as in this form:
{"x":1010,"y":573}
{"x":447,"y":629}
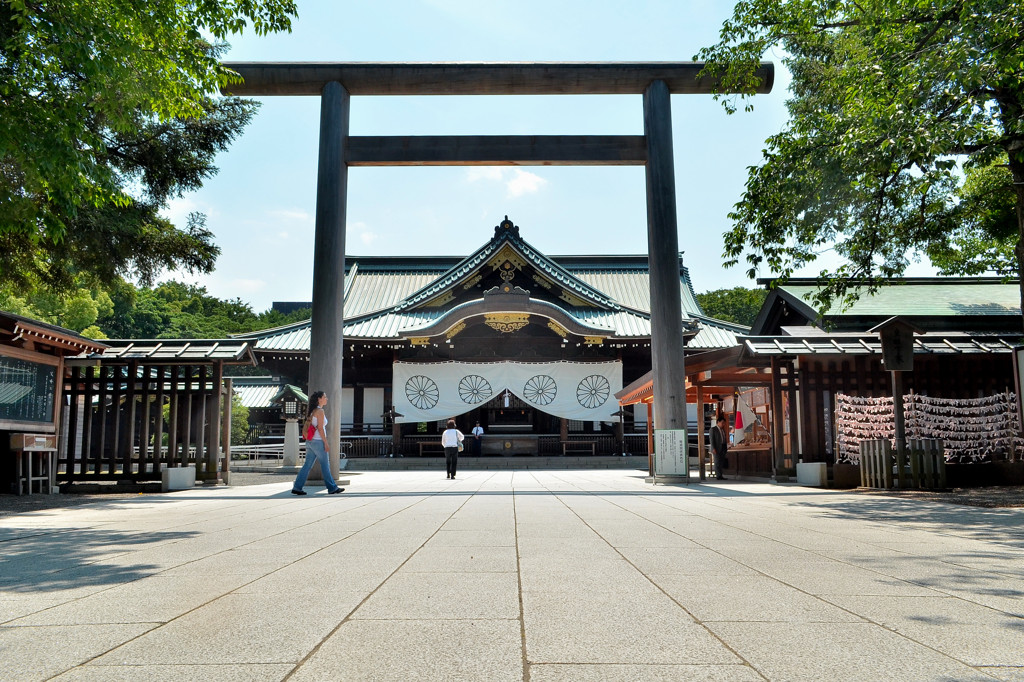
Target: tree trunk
{"x":1017,"y":172}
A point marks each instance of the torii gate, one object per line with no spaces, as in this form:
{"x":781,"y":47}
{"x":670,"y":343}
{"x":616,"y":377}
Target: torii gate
{"x":336,"y":83}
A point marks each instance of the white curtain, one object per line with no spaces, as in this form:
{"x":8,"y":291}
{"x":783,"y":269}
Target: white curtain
{"x":439,"y":390}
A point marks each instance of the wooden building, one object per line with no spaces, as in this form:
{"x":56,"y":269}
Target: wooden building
{"x":32,"y":370}
{"x":970,"y":327}
{"x":532,"y":346}
{"x":793,"y":362}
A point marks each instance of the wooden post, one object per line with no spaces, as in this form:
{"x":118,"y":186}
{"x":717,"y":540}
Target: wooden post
{"x":779,"y":451}
{"x":701,"y":456}
{"x":663,"y":254}
{"x":326,"y":337}
{"x":794,"y":427}
{"x":228,"y":390}
{"x":131,"y":410}
{"x":650,"y":437}
{"x":901,"y":434}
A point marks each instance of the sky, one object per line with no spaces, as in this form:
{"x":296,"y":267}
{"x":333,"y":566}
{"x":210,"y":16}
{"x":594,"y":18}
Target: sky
{"x":261,"y":204}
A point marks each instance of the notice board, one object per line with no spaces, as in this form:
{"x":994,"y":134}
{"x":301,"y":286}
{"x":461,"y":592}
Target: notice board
{"x":670,"y":453}
{"x":28,"y":389}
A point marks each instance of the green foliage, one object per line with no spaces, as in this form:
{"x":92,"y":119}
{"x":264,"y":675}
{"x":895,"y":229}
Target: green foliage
{"x":739,"y":304}
{"x":79,"y":77}
{"x":239,"y":420}
{"x":174,"y":310}
{"x":77,"y":308}
{"x":171,"y":310}
{"x":887,"y":98}
{"x":985,"y":231}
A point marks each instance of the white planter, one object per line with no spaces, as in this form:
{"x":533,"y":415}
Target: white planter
{"x":178,"y":478}
{"x":814,"y":474}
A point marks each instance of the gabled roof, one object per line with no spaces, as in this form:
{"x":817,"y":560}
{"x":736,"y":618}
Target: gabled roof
{"x":933,"y":303}
{"x":505,"y":245}
{"x":62,"y":341}
{"x":257,"y":392}
{"x":390,"y":298}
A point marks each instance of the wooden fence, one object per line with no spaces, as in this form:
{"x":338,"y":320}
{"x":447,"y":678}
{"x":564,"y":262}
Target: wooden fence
{"x":924,"y":467}
{"x":115,"y":428}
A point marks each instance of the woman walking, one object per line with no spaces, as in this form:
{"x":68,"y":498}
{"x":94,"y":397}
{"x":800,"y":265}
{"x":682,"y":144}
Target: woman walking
{"x":451,"y":441}
{"x":316,"y":446}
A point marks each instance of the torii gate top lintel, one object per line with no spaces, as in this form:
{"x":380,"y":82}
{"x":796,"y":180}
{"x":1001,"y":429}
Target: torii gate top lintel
{"x":477,"y":78}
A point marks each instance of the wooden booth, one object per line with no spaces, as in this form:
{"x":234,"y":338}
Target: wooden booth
{"x":138,"y":407}
{"x":716,"y":384}
{"x":32,"y":367}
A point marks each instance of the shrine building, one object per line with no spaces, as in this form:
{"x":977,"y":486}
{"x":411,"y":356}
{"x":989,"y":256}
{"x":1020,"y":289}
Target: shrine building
{"x":531,"y":346}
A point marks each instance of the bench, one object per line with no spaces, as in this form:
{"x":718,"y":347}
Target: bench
{"x":578,"y":446}
{"x":424,"y":444}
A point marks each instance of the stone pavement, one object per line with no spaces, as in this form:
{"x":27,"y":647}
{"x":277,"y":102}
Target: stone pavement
{"x":524,"y":575}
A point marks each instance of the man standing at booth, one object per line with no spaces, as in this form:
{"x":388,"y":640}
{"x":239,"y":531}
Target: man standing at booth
{"x":720,"y":446}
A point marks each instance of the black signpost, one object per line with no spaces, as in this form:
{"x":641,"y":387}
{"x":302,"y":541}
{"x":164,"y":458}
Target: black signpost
{"x":897,"y":338}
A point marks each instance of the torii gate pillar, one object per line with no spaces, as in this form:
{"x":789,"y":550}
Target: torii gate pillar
{"x":327,"y":341}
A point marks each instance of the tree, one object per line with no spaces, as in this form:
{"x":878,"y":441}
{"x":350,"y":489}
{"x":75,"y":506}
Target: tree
{"x":890,"y":101}
{"x":739,"y":304}
{"x":77,"y":309}
{"x":985,"y":230}
{"x":239,"y":420}
{"x":109,"y":109}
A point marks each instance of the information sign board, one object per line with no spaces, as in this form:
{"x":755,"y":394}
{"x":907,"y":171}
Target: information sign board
{"x":670,"y":453}
{"x":28,"y":391}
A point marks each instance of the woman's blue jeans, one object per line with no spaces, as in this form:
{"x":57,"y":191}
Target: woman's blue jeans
{"x":315,"y":451}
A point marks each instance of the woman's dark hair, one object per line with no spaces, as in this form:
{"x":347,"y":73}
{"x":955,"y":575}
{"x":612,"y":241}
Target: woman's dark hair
{"x":451,"y":423}
{"x":314,"y":403}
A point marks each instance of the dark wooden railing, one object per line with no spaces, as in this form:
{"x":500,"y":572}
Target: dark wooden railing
{"x":114,"y":425}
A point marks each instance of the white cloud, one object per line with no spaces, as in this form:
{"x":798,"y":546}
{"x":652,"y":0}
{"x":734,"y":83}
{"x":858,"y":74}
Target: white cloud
{"x":296,"y":215}
{"x":363,"y":232}
{"x":517,"y":181}
{"x":524,"y":182}
{"x":477,"y":173}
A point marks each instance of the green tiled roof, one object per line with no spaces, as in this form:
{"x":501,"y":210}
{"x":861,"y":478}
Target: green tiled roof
{"x":946,"y":297}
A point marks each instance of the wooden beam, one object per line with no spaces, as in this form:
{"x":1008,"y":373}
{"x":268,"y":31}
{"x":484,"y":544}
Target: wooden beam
{"x":497,"y":150}
{"x":476,"y":78}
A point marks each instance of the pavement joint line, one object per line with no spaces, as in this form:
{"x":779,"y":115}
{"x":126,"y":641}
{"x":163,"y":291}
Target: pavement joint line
{"x":519,"y":583}
{"x":783,"y":582}
{"x":348,"y":616}
{"x":656,"y":585}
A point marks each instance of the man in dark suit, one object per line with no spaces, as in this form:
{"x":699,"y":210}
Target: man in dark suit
{"x":719,"y":445}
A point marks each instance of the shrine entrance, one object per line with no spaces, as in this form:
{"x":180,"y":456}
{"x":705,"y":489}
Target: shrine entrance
{"x":336,"y":83}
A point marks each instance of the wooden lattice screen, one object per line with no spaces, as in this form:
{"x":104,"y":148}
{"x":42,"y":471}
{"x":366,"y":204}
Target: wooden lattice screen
{"x":129,"y":421}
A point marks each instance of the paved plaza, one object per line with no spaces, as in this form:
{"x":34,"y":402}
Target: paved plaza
{"x":512,"y":575}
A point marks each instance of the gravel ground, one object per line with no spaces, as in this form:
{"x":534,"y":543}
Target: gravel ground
{"x":996,"y":496}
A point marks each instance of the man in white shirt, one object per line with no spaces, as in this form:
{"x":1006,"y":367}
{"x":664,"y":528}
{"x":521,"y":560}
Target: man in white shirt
{"x":478,"y":436}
